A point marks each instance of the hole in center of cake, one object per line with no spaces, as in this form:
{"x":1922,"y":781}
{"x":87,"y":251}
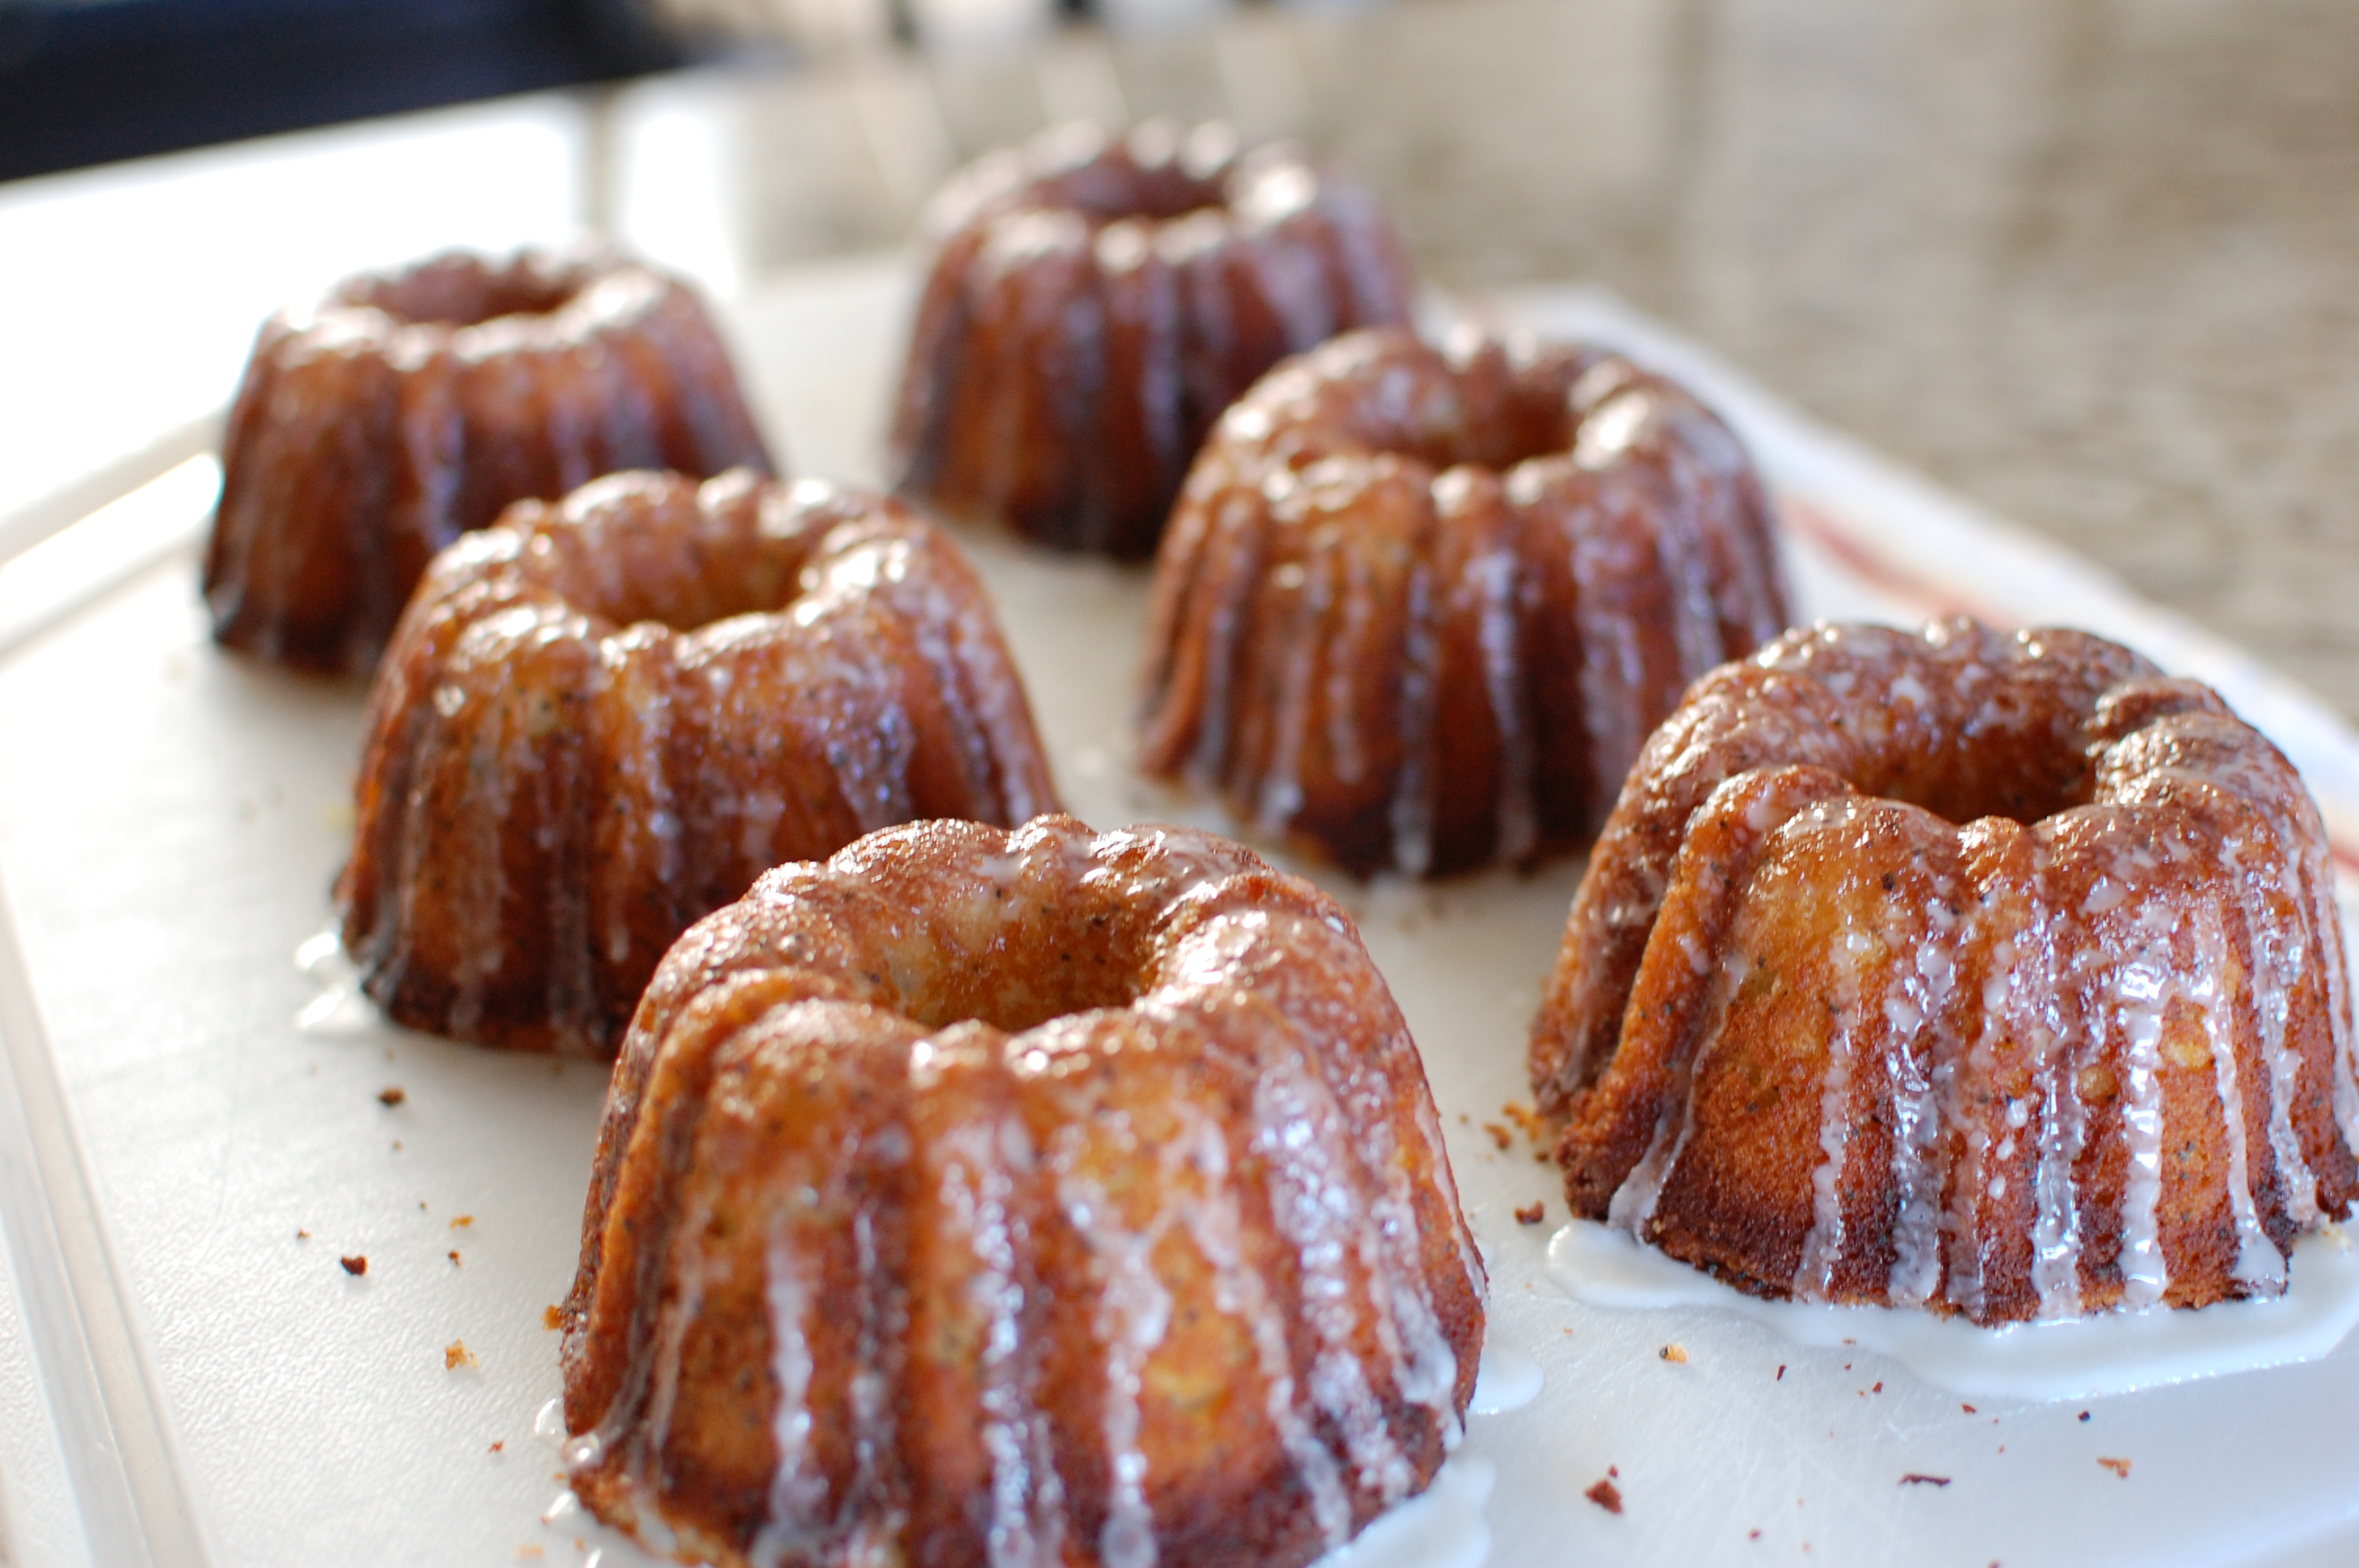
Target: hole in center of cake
{"x":1015,"y":968}
{"x":464,"y":293}
{"x":1012,"y":1001}
{"x":1106,"y":194}
{"x":2003,"y":773}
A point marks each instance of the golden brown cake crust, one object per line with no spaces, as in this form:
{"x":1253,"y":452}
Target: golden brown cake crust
{"x":603,"y":719}
{"x":1094,"y":304}
{"x":1069,"y":1198}
{"x":407,"y":408}
{"x":1419,"y":606}
{"x":1995,"y":974}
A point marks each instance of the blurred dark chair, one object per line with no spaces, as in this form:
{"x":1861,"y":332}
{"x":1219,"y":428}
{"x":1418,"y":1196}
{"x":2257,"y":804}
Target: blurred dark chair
{"x":85,"y":81}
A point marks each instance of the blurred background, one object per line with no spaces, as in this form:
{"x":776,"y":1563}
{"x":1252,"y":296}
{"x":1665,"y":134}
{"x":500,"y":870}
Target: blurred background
{"x":2090,"y":263}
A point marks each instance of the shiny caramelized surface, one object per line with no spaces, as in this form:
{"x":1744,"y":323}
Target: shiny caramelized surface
{"x":412,"y":407}
{"x":1418,"y":607}
{"x":1998,"y":975}
{"x":1035,"y":1197}
{"x":1094,"y":304}
{"x":603,"y":719}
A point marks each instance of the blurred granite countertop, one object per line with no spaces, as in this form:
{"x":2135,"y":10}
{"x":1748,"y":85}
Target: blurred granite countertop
{"x":2094,"y":265}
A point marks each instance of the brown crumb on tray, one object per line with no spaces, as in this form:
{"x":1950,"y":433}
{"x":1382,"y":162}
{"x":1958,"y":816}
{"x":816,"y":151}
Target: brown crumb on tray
{"x":552,"y":1319}
{"x":1499,"y":1135}
{"x":2118,"y":1466}
{"x":1531,"y":1213}
{"x":500,"y":1447}
{"x":1606,"y":1496}
{"x":355,"y":1264}
{"x":1914,"y":1479}
{"x":1674,"y":1351}
{"x":301,"y":1235}
{"x":392,"y":1095}
{"x":464,"y":1221}
{"x":454,"y":1256}
{"x":456,"y":1354}
{"x":1532,"y":1123}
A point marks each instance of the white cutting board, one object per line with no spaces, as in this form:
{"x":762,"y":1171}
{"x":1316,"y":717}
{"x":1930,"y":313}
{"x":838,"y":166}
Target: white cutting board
{"x":169,"y":821}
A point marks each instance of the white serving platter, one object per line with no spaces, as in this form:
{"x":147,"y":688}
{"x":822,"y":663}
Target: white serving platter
{"x":189,"y":1373}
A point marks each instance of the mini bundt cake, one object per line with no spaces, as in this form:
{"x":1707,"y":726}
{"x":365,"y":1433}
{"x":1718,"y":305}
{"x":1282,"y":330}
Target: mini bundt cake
{"x":1997,"y":975}
{"x":1421,"y":607}
{"x":602,"y":720}
{"x":1094,"y":305}
{"x":407,"y":409}
{"x":1034,"y":1197}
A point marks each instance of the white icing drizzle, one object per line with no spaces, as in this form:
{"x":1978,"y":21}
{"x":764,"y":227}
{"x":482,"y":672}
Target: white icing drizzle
{"x":793,"y":1518}
{"x":1346,"y":650}
{"x":1314,"y":1204}
{"x":1281,"y":785}
{"x":2260,"y":1267}
{"x":1494,"y":578}
{"x":1134,"y":1310}
{"x":2277,"y":952}
{"x":2144,"y":990}
{"x":1028,"y":1497}
{"x":1412,"y":803}
{"x":1919,"y":1113}
{"x":1239,"y":1290}
{"x":1823,"y":1246}
{"x":2056,"y":1231}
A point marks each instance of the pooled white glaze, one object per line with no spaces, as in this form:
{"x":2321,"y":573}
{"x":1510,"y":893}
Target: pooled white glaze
{"x":1507,"y":1379}
{"x":2107,"y":1352}
{"x":340,"y":1008}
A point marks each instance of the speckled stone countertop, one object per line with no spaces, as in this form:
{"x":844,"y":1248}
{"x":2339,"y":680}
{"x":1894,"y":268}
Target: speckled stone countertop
{"x":2093,"y":265}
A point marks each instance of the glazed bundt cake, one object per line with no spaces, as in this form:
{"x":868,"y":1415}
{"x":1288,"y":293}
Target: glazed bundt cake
{"x":1094,"y":305}
{"x":407,"y":409}
{"x":1033,"y":1198}
{"x":1420,"y":607}
{"x":602,"y":720}
{"x":1998,"y":975}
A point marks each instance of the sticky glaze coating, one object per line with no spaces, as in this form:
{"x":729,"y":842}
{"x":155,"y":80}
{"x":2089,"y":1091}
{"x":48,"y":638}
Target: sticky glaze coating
{"x":1033,"y":1198}
{"x":1420,"y":608}
{"x":407,"y":409}
{"x":1997,"y":975}
{"x":602,"y":720}
{"x":1094,"y":305}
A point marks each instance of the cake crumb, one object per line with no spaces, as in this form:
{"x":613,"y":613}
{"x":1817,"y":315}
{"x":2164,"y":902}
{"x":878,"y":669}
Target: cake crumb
{"x":397,"y":1145}
{"x":1781,"y":1373}
{"x":1531,"y":1213}
{"x":456,"y":1354}
{"x":551,"y":1319}
{"x":1879,"y":1386}
{"x":391,"y":1096}
{"x":1753,"y":1535}
{"x":2084,"y":1415}
{"x":500,"y":1447}
{"x":529,"y":1550}
{"x":1914,"y":1479}
{"x":355,"y":1264}
{"x":454,"y":1256}
{"x":464,"y":1221}
{"x":2118,"y":1466}
{"x":1674,"y":1351}
{"x":1499,"y":1135}
{"x":1968,"y":1409}
{"x":1525,"y":1118}
{"x":1606,"y":1496}
{"x":302,"y":1235}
